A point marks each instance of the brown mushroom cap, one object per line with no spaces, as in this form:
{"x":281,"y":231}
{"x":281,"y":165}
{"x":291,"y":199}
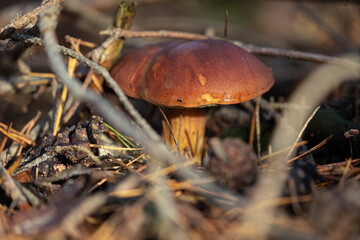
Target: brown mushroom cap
{"x":192,"y":74}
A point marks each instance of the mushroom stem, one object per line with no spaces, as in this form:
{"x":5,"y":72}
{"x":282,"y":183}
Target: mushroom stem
{"x":188,"y":126}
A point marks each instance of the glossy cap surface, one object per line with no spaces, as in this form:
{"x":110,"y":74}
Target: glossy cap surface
{"x":192,"y":74}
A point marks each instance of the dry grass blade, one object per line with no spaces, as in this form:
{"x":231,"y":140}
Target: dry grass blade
{"x":171,"y":169}
{"x":348,"y":171}
{"x":97,"y":83}
{"x":136,"y":159}
{"x":127,"y":166}
{"x":258,"y":129}
{"x":3,"y":142}
{"x":189,"y":184}
{"x":15,"y":135}
{"x":80,"y":41}
{"x":115,"y":148}
{"x":127,"y":193}
{"x":312,"y":149}
{"x":75,"y":106}
{"x":332,"y":166}
{"x":298,"y":144}
{"x":170,"y":128}
{"x":26,"y":130}
{"x":303,"y":128}
{"x":42,"y":75}
{"x":16,"y":163}
{"x":29,"y":126}
{"x":71,"y":69}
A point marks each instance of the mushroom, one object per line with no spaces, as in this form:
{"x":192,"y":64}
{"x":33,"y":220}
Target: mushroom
{"x":187,"y":77}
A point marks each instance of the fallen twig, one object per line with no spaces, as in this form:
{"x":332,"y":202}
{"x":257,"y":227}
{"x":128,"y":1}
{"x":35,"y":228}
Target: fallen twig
{"x":23,"y":21}
{"x":266,"y":51}
{"x":122,"y":33}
